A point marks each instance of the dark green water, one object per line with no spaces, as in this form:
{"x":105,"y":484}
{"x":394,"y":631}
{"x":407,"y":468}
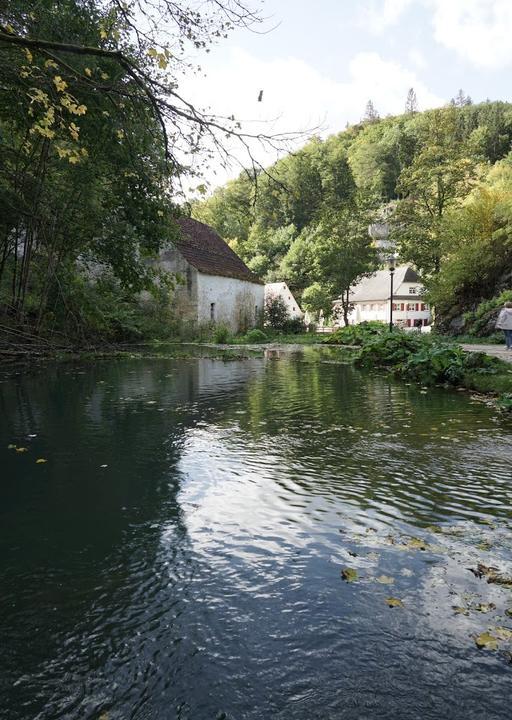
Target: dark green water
{"x":197,"y":574}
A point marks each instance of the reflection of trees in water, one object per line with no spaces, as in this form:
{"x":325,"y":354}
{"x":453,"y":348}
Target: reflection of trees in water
{"x":81,"y":542}
{"x":366,"y":438}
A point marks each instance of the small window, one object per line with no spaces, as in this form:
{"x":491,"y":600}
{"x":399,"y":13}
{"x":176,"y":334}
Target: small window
{"x":412,"y":291}
{"x":256,"y":313}
{"x":212,"y":311}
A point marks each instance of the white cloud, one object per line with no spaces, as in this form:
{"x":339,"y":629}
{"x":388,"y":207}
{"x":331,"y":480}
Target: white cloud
{"x":297,"y":97}
{"x":478,"y":30}
{"x":378,"y":15}
{"x":417,"y":58}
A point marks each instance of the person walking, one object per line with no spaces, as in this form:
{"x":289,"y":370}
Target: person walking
{"x":504,"y":322}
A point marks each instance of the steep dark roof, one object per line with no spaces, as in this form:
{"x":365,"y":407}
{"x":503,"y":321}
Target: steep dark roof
{"x":209,"y":253}
{"x":411,"y":275}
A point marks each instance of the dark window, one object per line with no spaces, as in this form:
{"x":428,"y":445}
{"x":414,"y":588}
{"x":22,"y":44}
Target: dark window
{"x":212,"y":311}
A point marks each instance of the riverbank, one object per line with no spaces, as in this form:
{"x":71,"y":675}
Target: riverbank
{"x":424,"y":360}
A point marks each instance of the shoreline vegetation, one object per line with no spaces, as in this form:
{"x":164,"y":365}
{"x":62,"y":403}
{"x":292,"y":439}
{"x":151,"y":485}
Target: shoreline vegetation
{"x":425,"y":360}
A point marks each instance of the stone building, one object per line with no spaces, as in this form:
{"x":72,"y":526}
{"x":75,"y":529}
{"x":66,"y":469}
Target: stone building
{"x":215,"y":285}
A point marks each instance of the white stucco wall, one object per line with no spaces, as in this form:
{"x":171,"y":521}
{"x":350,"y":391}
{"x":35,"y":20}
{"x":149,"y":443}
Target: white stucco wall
{"x":283,"y":291}
{"x":236,"y":301}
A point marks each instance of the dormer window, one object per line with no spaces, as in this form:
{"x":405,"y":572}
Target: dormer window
{"x":412,"y":291}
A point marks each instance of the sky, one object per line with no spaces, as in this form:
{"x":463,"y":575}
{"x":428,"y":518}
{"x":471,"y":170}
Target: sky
{"x":322,"y":60}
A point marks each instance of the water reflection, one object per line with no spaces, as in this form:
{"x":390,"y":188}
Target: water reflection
{"x":179,"y":553}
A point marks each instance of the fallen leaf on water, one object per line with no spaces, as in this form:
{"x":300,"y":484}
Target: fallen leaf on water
{"x":39,"y":461}
{"x":349,"y":574}
{"x":103,"y":466}
{"x":406,"y":572}
{"x":21,"y":449}
{"x":485,"y":545}
{"x":394,"y":602}
{"x":416,"y":544}
{"x":11,"y":447}
{"x":385,"y":580}
{"x":458,"y":610}
{"x":485,"y":607}
{"x":482,"y":570}
{"x":373,"y":556}
{"x":503,"y":633}
{"x":487,"y":641}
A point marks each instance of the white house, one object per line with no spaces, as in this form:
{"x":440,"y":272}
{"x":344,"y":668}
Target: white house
{"x":216,"y":285}
{"x":281,"y":289}
{"x":371,"y":299}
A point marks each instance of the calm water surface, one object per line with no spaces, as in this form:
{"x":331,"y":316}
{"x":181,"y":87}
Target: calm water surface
{"x":179,"y":553}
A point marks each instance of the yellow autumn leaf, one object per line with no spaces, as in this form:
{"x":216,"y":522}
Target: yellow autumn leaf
{"x":162,"y":62}
{"x":59,"y":83}
{"x":394,"y":602}
{"x":503,"y":633}
{"x":88,"y":72}
{"x":486,"y":641}
{"x":152,"y":52}
{"x":105,"y":76}
{"x":21,"y":449}
{"x":9,"y":29}
{"x":74,"y":130}
{"x":51,"y":64}
{"x":103,"y":34}
{"x":120,"y":134}
{"x":40,"y":461}
{"x":29,"y":55}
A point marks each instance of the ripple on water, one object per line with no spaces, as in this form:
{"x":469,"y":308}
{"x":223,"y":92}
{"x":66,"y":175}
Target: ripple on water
{"x":199,"y":572}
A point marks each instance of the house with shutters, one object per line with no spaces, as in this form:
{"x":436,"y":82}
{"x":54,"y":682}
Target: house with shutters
{"x":214,"y":284}
{"x":371,"y":299}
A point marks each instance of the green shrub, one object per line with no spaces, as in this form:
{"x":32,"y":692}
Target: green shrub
{"x":221,"y":334}
{"x":356,"y":334}
{"x":256,"y":336}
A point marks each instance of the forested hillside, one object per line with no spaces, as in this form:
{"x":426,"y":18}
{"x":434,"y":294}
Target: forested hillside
{"x":443,"y":177}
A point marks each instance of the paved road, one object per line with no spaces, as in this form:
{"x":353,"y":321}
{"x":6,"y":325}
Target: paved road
{"x":499,"y":351}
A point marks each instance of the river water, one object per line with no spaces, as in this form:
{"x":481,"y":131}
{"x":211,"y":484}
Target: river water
{"x":179,"y":552}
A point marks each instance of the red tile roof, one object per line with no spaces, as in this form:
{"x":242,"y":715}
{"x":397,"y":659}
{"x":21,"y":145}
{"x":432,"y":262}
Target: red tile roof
{"x":205,"y":250}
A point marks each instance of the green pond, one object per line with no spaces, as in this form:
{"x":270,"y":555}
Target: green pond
{"x":173,"y":536}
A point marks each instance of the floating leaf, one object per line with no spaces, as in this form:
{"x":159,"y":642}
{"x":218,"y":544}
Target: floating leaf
{"x":11,"y":447}
{"x":394,"y":602}
{"x":458,"y":610}
{"x":40,"y":461}
{"x":485,"y":607}
{"x":503,"y":633}
{"x":349,"y":574}
{"x":385,"y":580}
{"x":486,"y":641}
{"x":417,"y":544}
{"x":103,"y":466}
{"x":21,"y":449}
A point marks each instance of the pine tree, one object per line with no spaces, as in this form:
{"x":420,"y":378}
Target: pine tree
{"x":460,"y":100}
{"x":411,"y":103}
{"x":370,"y":113}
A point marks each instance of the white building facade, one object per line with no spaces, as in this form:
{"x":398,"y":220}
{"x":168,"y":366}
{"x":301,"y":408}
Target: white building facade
{"x":371,"y":300}
{"x":214,"y":284}
{"x":281,"y":290}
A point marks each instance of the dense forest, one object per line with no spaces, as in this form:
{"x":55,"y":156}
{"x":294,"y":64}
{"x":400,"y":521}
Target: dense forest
{"x":443,"y":179}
